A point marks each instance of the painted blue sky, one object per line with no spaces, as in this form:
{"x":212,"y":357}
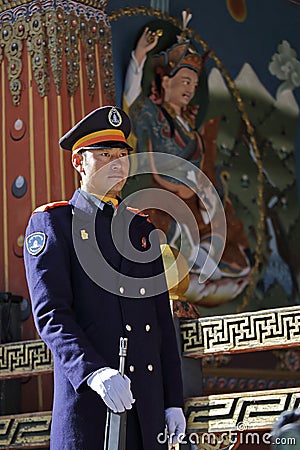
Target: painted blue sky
{"x":254,"y":41}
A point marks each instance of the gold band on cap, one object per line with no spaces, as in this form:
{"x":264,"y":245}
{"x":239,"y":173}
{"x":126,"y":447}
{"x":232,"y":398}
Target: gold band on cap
{"x":99,"y":136}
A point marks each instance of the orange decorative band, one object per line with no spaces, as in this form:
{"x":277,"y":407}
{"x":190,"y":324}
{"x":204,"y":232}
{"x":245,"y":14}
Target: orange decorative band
{"x":99,"y":136}
{"x":107,"y":199}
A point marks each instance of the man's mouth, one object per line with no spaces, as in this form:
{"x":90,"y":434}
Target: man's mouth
{"x":117,"y":177}
{"x":186,"y":96}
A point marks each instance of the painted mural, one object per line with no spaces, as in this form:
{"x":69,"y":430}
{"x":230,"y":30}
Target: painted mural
{"x":166,"y":116}
{"x":246,"y":145}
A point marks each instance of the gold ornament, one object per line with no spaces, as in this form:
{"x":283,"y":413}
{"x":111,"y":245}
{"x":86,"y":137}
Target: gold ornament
{"x":177,"y":272}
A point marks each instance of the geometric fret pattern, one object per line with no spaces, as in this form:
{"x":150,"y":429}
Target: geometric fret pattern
{"x":24,"y":358}
{"x":262,"y":330}
{"x":217,"y":413}
{"x":259,"y":330}
{"x":25,"y":430}
{"x":254,"y":410}
{"x":239,"y":411}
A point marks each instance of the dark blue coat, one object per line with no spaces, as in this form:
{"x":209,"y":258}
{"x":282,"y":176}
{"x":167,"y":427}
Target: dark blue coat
{"x":81,"y":309}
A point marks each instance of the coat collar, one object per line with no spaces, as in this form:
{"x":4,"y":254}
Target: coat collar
{"x":84,"y":204}
{"x":86,"y":219}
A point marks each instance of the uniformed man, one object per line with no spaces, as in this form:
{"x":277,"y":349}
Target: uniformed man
{"x":89,"y":285}
{"x":285,"y":432}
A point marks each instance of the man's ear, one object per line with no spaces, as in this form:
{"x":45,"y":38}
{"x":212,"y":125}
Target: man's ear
{"x":77,"y":161}
{"x":165,"y":81}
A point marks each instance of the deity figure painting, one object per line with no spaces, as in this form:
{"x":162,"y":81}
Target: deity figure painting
{"x":166,"y":94}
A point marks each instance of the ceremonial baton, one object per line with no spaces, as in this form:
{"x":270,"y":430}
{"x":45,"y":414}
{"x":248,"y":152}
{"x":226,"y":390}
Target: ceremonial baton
{"x":115,"y":428}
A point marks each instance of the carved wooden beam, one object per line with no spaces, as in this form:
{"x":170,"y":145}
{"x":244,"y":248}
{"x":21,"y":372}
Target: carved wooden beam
{"x":20,"y":359}
{"x":222,"y":379}
{"x":262,"y":330}
{"x":29,"y":431}
{"x":247,"y":411}
{"x":239,"y":411}
{"x":246,"y":332}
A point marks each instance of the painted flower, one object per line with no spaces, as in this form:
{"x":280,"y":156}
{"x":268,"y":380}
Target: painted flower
{"x":292,"y":360}
{"x":285,"y":66}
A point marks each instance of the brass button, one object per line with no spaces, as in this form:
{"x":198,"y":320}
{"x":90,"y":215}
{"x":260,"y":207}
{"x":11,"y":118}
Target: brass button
{"x":142,"y":291}
{"x":128,"y":327}
{"x":147,"y":327}
{"x":131,"y":368}
{"x":150,"y":367}
{"x":122,"y":290}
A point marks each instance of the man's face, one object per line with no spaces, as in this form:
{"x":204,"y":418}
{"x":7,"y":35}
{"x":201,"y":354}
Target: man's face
{"x":103,"y":171}
{"x":180,"y":89}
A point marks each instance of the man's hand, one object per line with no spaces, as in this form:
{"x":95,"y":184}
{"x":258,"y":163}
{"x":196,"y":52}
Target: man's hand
{"x":113,"y":389}
{"x":175,"y":421}
{"x":146,"y":43}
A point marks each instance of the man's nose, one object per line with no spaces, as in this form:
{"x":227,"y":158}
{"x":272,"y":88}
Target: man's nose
{"x":116,"y":163}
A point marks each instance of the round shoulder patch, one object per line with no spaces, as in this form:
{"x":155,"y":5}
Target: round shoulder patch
{"x":36,"y":242}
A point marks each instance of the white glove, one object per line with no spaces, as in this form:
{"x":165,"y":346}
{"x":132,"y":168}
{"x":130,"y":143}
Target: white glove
{"x":112,"y":388}
{"x":175,"y":422}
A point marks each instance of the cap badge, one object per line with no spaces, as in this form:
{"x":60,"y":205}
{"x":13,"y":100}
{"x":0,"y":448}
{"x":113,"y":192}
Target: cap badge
{"x":114,"y":117}
{"x":35,"y":243}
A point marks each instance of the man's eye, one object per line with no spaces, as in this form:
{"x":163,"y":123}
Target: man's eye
{"x":123,"y":154}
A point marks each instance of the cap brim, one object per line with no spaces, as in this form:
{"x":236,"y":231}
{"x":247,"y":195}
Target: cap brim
{"x":108,"y":144}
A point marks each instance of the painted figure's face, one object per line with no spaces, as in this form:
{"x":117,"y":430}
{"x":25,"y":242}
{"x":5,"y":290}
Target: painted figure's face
{"x":180,"y":89}
{"x":103,"y":171}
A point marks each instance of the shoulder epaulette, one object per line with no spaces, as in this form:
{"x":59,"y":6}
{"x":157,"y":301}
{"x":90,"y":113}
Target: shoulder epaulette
{"x":51,"y":205}
{"x":137,"y":211}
